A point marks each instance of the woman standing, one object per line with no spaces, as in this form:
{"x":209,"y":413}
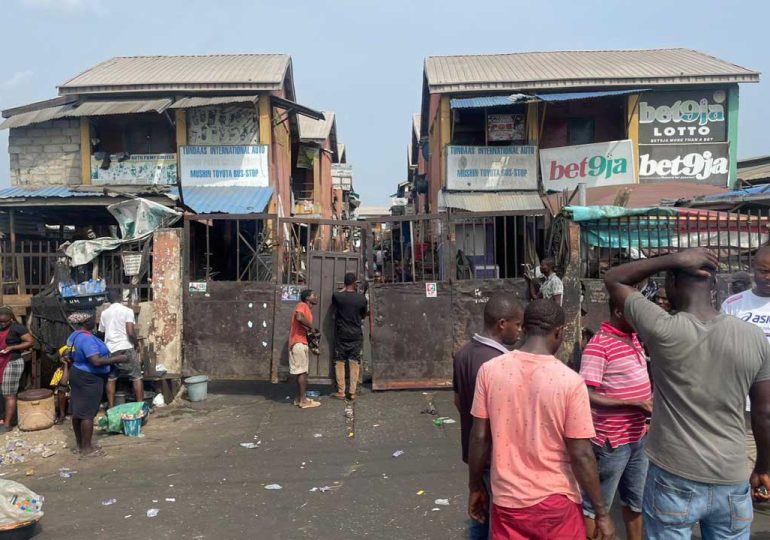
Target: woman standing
{"x":91,"y":363}
{"x":14,"y":339}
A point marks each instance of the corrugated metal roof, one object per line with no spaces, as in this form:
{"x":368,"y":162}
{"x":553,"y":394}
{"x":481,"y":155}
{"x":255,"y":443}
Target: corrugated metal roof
{"x":315,"y":130}
{"x":246,"y":71}
{"x":40,"y":193}
{"x":35,"y":117}
{"x":480,"y":102}
{"x":192,"y":102}
{"x":643,"y":195}
{"x":491,"y":202}
{"x":118,"y":106}
{"x":754,"y":170}
{"x":574,"y":96}
{"x":580,"y":69}
{"x":226,"y":199}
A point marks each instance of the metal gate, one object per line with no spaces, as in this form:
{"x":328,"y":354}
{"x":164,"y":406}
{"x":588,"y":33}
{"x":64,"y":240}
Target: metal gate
{"x":316,"y":254}
{"x":229,"y":297}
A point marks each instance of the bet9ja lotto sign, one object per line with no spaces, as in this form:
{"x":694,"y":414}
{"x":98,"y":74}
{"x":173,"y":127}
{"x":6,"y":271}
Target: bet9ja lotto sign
{"x":598,"y":164}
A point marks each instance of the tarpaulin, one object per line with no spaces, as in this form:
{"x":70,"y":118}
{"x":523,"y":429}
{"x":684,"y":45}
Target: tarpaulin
{"x":137,"y":218}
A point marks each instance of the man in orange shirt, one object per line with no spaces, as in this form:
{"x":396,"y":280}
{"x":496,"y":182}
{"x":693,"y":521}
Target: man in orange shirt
{"x":299,"y":354}
{"x":533,"y":415}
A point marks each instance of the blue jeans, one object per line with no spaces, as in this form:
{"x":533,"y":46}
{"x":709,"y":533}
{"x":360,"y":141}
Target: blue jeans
{"x":673,"y":505}
{"x":480,"y":531}
{"x":622,"y":470}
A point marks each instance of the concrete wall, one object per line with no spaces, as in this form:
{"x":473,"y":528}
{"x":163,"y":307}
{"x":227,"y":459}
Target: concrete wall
{"x":223,"y":124}
{"x":164,"y":330}
{"x":45,"y":154}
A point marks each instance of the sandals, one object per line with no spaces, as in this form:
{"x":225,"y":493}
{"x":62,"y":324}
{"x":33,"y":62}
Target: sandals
{"x":309,"y":404}
{"x":339,"y":395}
{"x":96,"y":452}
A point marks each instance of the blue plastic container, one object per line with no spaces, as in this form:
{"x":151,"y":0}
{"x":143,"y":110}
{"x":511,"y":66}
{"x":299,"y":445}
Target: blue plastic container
{"x":132,"y":427}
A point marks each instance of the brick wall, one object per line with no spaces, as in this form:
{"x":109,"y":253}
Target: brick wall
{"x":45,"y":154}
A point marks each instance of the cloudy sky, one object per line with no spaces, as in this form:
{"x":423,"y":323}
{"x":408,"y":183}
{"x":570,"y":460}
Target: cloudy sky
{"x":363,"y":59}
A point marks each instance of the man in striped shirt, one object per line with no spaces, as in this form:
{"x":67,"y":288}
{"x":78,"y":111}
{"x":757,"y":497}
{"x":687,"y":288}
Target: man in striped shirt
{"x":614,"y":367}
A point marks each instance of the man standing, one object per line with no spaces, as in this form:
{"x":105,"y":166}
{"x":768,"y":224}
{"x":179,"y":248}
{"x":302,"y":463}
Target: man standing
{"x":299,"y":353}
{"x":532,"y":415}
{"x":614,"y":367}
{"x":752,"y":306}
{"x":350,"y":309}
{"x":118,"y":325}
{"x":503,"y":316}
{"x":703,"y":364}
{"x":552,"y":288}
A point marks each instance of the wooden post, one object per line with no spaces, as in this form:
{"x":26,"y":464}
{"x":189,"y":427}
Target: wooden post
{"x":633,"y":129}
{"x":85,"y":150}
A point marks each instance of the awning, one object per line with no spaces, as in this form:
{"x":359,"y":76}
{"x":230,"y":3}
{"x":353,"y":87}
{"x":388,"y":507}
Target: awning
{"x":35,"y":117}
{"x":197,"y":101}
{"x":525,"y":201}
{"x":87,"y":108}
{"x":575,"y":96}
{"x":483,"y":102}
{"x":118,"y":106}
{"x":296,"y":107}
{"x":225,"y":199}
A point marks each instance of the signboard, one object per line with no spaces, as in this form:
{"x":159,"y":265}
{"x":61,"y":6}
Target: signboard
{"x":701,"y":163}
{"x":342,"y":176}
{"x":491,"y":168}
{"x":598,"y":164}
{"x":506,"y":127}
{"x":135,"y":169}
{"x":431,"y":290}
{"x":224,"y":165}
{"x":697,"y":116}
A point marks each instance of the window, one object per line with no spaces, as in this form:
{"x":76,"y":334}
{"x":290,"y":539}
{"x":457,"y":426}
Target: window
{"x":580,"y":131}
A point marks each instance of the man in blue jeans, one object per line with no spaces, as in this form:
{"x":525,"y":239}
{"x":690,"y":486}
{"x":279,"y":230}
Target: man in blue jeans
{"x":614,"y":368}
{"x":703,"y":364}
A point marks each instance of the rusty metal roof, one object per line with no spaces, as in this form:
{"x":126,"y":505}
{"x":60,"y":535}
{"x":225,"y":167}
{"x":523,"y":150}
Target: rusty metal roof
{"x":105,"y":107}
{"x":579,"y":69}
{"x":154,"y":73}
{"x":315,"y":130}
{"x":754,"y":170}
{"x":199,"y":101}
{"x":644,"y":195}
{"x":491,"y":202}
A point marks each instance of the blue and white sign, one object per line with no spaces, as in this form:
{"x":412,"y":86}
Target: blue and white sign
{"x":224,"y":165}
{"x":491,"y":168}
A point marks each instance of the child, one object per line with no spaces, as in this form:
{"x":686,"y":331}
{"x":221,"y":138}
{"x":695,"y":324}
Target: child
{"x":61,"y":383}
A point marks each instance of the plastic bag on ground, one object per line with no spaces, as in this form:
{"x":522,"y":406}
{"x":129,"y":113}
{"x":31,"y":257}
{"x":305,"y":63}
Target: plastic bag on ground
{"x":113,"y":422}
{"x":18,"y":503}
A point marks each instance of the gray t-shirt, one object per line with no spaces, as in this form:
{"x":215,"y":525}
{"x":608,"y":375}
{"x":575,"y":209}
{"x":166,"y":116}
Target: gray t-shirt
{"x":702,"y":373}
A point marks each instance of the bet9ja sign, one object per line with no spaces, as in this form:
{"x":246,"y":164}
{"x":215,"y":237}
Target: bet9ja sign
{"x":598,"y":164}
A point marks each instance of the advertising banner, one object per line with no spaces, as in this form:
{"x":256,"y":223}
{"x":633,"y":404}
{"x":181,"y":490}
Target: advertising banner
{"x":135,"y":169}
{"x":224,"y":165}
{"x":701,"y":163}
{"x":598,"y":164}
{"x":491,"y":168}
{"x":342,"y":175}
{"x":506,"y":127}
{"x":697,"y":116}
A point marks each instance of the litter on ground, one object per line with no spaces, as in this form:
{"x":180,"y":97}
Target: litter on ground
{"x":273,"y":487}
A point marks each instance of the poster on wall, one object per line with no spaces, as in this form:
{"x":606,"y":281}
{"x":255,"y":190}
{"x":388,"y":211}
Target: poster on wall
{"x":701,"y":163}
{"x":598,"y":164}
{"x":224,"y":165}
{"x":491,"y":168}
{"x":506,"y":128}
{"x":134,"y":169}
{"x":697,"y":116}
{"x":342,"y":176}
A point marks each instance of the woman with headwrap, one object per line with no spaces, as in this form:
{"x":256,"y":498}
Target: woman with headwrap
{"x":91,"y":363}
{"x":14,"y":339}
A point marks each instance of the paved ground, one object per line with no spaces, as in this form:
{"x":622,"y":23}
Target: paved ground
{"x":193,"y":455}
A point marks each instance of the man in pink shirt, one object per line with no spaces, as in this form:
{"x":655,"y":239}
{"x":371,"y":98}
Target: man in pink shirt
{"x":532,"y":413}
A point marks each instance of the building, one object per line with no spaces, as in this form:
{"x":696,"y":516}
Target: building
{"x":546,"y":121}
{"x":219,"y":121}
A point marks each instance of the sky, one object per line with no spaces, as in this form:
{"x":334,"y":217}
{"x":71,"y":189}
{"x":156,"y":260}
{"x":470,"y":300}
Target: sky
{"x":363,"y":59}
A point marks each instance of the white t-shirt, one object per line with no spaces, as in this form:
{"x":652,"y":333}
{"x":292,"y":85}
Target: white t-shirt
{"x":552,"y":287}
{"x":113,"y":324}
{"x":749,"y":307}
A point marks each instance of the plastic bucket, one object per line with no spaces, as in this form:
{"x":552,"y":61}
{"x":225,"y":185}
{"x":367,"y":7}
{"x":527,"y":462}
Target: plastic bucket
{"x":120,"y":398}
{"x":132,"y":427}
{"x":197,"y":387}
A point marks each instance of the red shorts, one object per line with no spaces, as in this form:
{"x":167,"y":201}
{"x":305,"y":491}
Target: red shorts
{"x":555,"y":518}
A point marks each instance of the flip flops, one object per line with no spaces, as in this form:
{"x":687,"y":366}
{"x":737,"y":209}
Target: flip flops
{"x":309,"y":404}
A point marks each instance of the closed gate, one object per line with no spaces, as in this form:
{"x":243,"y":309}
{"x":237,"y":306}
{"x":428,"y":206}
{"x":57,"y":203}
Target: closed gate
{"x":229,"y":297}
